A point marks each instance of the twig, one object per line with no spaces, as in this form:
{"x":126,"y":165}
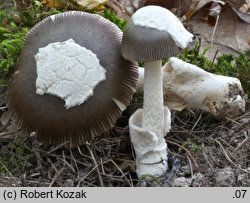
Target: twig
{"x":9,"y":133}
{"x":190,"y":155}
{"x":175,"y":154}
{"x":84,"y":155}
{"x":233,"y":121}
{"x":93,"y":169}
{"x":247,"y":137}
{"x":38,"y":182}
{"x":102,"y":167}
{"x":56,"y":176}
{"x":75,"y":162}
{"x":119,"y":169}
{"x":244,"y":115}
{"x":215,"y":27}
{"x":185,"y":124}
{"x":59,"y":146}
{"x":191,"y":168}
{"x":215,"y":55}
{"x":217,"y":43}
{"x":34,"y":149}
{"x":3,"y":107}
{"x":228,"y":158}
{"x":8,"y":171}
{"x":195,"y":124}
{"x":67,"y":163}
{"x":57,"y":173}
{"x":96,"y":165}
{"x":211,"y":166}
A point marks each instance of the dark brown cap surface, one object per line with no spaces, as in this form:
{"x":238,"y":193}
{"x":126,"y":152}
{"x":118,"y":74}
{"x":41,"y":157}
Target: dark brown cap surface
{"x":147,"y":44}
{"x":47,"y":114}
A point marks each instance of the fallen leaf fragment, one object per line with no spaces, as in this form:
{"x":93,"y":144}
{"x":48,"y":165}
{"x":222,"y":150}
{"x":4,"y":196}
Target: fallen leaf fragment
{"x":177,"y":7}
{"x":242,"y":15}
{"x":197,"y":5}
{"x":245,"y":7}
{"x":55,"y":3}
{"x":231,"y":30}
{"x":120,"y":10}
{"x":91,"y":4}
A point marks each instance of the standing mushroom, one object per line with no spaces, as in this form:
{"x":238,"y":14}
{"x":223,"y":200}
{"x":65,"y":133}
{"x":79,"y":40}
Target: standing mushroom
{"x":152,"y":33}
{"x":71,"y":82}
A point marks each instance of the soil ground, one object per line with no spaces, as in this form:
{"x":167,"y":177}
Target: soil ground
{"x":211,"y":153}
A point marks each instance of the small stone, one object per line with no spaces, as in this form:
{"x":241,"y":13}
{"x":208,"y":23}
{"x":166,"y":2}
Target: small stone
{"x":5,"y":118}
{"x":244,"y":180}
{"x":198,"y":180}
{"x":182,"y":182}
{"x":225,"y":177}
{"x":185,"y":170}
{"x":68,"y":183}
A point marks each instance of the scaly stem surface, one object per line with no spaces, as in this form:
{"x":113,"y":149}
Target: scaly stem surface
{"x":153,"y":107}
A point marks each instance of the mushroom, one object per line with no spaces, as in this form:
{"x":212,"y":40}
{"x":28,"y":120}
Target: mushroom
{"x":71,"y":82}
{"x":152,"y":33}
{"x":188,"y":86}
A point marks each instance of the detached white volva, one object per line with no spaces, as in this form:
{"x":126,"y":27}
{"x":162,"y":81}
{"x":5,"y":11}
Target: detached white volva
{"x":188,"y":86}
{"x":69,"y":71}
{"x":152,"y":34}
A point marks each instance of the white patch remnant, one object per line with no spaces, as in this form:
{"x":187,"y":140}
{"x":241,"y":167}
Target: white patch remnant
{"x":69,"y":71}
{"x":159,"y":18}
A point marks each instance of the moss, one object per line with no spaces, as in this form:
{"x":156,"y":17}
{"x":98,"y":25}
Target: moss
{"x":14,"y":24}
{"x":111,"y":16}
{"x":227,"y":64}
{"x":11,"y":42}
{"x":15,"y":157}
{"x":193,"y":146}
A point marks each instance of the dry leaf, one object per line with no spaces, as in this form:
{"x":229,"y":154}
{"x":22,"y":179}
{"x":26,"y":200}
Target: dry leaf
{"x":214,"y":51}
{"x":180,"y":6}
{"x":231,"y":31}
{"x":169,"y":4}
{"x":119,"y":9}
{"x":55,"y":3}
{"x":91,"y":4}
{"x":243,"y":16}
{"x":124,"y":9}
{"x":197,"y":5}
{"x":236,"y":3}
{"x":245,"y":7}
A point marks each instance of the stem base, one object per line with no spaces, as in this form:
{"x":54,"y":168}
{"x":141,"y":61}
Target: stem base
{"x":150,"y":149}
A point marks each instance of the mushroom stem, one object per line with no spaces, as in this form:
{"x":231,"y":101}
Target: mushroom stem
{"x":153,"y":107}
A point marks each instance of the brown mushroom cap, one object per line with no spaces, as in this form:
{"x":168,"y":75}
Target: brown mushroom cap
{"x":47,"y":114}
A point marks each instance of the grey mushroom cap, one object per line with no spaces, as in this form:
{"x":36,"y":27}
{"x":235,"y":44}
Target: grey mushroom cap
{"x":147,"y":44}
{"x":46,"y":114}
